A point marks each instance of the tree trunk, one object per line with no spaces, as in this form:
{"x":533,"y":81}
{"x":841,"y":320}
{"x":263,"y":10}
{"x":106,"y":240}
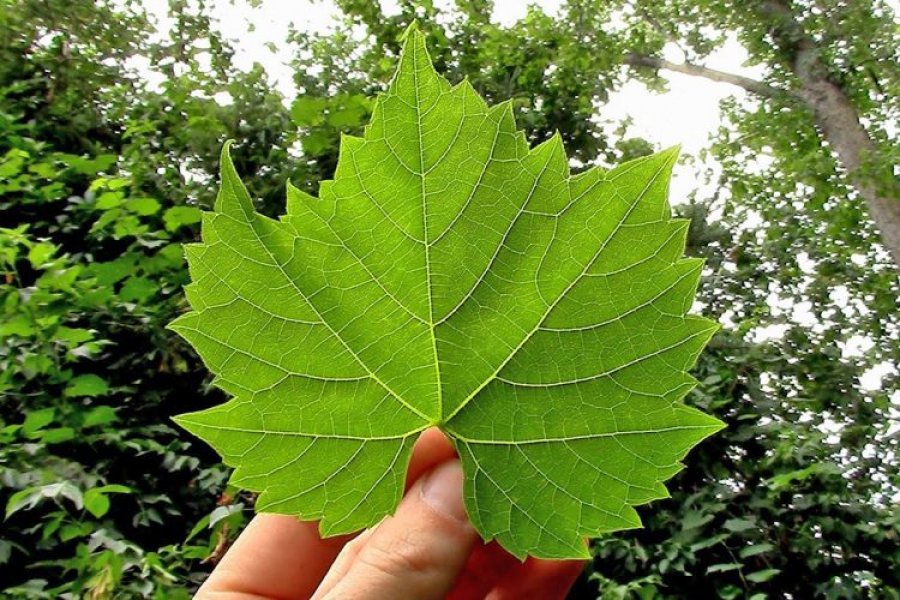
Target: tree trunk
{"x":836,"y":117}
{"x":839,"y":122}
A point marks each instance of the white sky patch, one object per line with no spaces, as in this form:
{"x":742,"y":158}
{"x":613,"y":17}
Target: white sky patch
{"x":687,"y":114}
{"x":769,"y":333}
{"x":141,"y":65}
{"x":873,"y":378}
{"x":507,"y":12}
{"x":806,"y":264}
{"x":259,"y":34}
{"x":223,"y":98}
{"x":856,"y":346}
{"x":390,"y":8}
{"x":801,"y":314}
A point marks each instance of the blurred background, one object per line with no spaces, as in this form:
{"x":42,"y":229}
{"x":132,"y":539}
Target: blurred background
{"x":112,"y":115}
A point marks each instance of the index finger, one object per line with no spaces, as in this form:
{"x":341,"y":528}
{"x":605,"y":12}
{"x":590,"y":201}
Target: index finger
{"x":282,"y":557}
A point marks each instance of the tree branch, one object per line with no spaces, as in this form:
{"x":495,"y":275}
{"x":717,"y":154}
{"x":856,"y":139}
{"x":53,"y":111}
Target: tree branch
{"x":751,"y":85}
{"x":838,"y":119}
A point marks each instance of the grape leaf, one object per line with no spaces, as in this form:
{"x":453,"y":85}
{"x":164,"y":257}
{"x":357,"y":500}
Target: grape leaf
{"x":451,"y":276}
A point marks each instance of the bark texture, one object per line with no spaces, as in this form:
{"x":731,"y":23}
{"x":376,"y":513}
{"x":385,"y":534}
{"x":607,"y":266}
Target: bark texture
{"x":749,"y":84}
{"x":836,"y":117}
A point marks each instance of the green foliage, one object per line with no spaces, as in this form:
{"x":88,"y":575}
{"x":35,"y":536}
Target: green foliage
{"x":484,"y":298}
{"x":809,"y":456}
{"x":98,"y":491}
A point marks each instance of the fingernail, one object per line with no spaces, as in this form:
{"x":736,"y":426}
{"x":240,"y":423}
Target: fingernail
{"x":443,"y":490}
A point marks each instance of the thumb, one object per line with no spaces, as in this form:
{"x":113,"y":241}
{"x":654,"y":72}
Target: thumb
{"x":419,"y":552}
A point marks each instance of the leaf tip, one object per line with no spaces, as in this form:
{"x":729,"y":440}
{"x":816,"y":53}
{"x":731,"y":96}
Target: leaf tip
{"x":716,"y":425}
{"x":225,"y":162}
{"x":410,"y":32}
{"x":180,"y":421}
{"x":671,"y":153}
{"x":584,"y":553}
{"x":233,"y":196}
{"x":173,"y":325}
{"x":185,"y":424}
{"x":556,"y":138}
{"x":177,"y":324}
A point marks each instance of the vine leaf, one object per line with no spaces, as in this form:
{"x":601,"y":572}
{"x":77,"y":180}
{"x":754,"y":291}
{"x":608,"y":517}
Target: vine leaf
{"x":451,"y":276}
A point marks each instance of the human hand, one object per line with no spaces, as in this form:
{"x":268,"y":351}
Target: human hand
{"x":427,"y":550}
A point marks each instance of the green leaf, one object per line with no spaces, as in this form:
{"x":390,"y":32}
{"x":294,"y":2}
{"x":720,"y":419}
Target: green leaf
{"x":5,"y":551}
{"x":100,"y":415}
{"x":450,"y":276}
{"x":738,"y":525}
{"x":20,"y":325}
{"x":724,"y":567}
{"x":115,"y":488}
{"x":23,"y":499}
{"x":179,"y":216}
{"x":202,"y":524}
{"x":109,"y":200}
{"x":787,"y":480}
{"x":347,"y":111}
{"x":317,"y":142}
{"x":38,"y":419}
{"x":762,"y":576}
{"x":12,"y":162}
{"x":755,"y":550}
{"x":75,"y":530}
{"x":96,"y":501}
{"x":40,"y":253}
{"x":138,"y":289}
{"x":88,"y":166}
{"x":708,"y":542}
{"x":86,"y":385}
{"x":695,"y":519}
{"x":143,"y":206}
{"x":72,"y":335}
{"x":57,"y":435}
{"x":223,"y":512}
{"x":110,"y":272}
{"x":308,"y":110}
{"x":28,"y":498}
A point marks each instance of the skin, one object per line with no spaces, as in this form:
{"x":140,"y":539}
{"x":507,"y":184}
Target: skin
{"x":426,"y":550}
